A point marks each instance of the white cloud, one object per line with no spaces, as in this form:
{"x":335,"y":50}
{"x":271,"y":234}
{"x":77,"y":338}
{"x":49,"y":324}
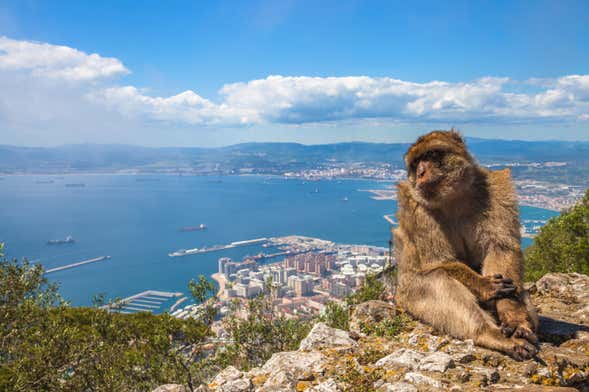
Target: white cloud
{"x":53,"y":61}
{"x":301,"y":100}
{"x":36,"y":92}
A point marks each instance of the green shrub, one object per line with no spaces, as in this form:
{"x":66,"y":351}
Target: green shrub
{"x":389,"y":327}
{"x":336,"y":316}
{"x":372,"y":289}
{"x":260,"y":334}
{"x":562,"y":244}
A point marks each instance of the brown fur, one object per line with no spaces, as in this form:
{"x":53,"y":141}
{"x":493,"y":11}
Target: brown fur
{"x":458,"y":247}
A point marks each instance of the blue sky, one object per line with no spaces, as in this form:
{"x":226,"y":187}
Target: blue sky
{"x":217,"y":73}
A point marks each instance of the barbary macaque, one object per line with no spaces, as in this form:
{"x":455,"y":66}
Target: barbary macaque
{"x":458,"y":248}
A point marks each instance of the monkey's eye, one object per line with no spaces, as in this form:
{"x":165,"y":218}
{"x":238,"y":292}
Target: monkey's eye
{"x":433,"y":156}
{"x":413,"y":165}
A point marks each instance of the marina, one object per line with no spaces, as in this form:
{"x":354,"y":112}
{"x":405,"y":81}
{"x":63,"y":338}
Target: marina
{"x":79,"y":263}
{"x":146,"y":301}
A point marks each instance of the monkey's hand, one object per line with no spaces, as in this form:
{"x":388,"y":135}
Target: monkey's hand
{"x":496,"y":287}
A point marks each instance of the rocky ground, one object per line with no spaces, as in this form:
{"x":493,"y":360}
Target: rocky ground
{"x":418,"y":359}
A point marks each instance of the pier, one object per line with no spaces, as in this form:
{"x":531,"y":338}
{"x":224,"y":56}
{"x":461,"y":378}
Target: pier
{"x":79,"y":263}
{"x":146,"y":301}
{"x":217,"y":248}
{"x":390,"y":219}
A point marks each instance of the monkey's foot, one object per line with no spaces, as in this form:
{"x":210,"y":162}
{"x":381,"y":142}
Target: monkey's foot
{"x":496,"y":287}
{"x":522,"y":349}
{"x":521,"y":330}
{"x":517,"y":348}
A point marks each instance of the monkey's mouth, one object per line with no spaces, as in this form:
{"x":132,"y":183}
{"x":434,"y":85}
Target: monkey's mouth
{"x":430,"y":188}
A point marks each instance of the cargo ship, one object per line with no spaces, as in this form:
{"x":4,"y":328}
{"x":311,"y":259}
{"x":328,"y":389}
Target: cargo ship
{"x":68,"y":240}
{"x":200,"y":227}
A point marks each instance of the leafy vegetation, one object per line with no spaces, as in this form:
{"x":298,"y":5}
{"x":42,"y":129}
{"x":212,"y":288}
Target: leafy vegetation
{"x":260,"y":333}
{"x":389,"y":327}
{"x":47,"y":345}
{"x":372,"y":289}
{"x":336,"y":316}
{"x":562,"y":244}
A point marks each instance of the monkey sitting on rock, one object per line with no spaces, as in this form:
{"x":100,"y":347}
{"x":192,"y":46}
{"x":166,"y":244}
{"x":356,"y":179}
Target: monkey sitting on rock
{"x":458,"y":248}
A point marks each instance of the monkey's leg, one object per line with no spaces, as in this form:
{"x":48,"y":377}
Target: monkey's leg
{"x":518,"y":318}
{"x":449,"y":306}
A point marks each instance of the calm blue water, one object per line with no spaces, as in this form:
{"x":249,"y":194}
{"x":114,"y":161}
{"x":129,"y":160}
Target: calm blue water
{"x":136,"y":222}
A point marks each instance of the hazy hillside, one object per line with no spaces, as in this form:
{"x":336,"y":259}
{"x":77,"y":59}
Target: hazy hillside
{"x":267,"y":157}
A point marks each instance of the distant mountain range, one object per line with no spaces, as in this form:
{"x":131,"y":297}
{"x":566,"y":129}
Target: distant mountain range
{"x":261,"y":157}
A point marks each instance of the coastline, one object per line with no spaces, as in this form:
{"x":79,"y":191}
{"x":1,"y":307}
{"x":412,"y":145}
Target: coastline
{"x":221,"y":281}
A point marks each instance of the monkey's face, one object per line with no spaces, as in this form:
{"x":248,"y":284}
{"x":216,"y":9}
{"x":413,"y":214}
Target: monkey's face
{"x":438,"y":175}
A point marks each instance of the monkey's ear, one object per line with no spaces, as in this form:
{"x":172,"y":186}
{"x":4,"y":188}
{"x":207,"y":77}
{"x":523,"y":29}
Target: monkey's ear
{"x":456,"y":136}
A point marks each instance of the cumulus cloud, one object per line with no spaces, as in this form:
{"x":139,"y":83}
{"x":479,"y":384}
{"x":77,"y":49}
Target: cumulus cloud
{"x":301,"y":100}
{"x":43,"y":73}
{"x":53,"y":61}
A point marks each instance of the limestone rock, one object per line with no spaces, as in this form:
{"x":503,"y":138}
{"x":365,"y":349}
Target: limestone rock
{"x":238,"y":385}
{"x":171,"y":388}
{"x":287,"y":368}
{"x":402,"y":358}
{"x":328,"y":385}
{"x":230,"y":373}
{"x":323,"y":336}
{"x":397,"y":387}
{"x":436,"y":362}
{"x":418,"y":378}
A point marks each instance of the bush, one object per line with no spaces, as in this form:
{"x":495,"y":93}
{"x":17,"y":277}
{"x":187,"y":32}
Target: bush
{"x":336,"y":316}
{"x":260,"y":334}
{"x":372,"y":289}
{"x":562,"y":245}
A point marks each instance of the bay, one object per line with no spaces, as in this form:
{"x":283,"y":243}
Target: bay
{"x":136,"y":221}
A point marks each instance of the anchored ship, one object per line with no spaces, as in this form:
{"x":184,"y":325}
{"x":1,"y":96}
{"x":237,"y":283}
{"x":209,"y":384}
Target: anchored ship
{"x":68,"y":240}
{"x":200,"y":227}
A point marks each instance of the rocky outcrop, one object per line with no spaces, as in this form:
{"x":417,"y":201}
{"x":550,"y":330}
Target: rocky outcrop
{"x":419,"y":359}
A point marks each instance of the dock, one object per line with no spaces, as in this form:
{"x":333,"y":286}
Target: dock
{"x":79,"y":263}
{"x":217,"y":248}
{"x":390,"y":219}
{"x":146,"y":301}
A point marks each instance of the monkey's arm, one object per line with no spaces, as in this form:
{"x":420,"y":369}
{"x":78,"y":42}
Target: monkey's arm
{"x":482,"y":287}
{"x":501,"y":240}
{"x":485,"y":288}
{"x":517,"y":315}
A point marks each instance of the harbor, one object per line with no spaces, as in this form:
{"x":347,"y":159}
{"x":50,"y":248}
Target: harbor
{"x":78,"y":264}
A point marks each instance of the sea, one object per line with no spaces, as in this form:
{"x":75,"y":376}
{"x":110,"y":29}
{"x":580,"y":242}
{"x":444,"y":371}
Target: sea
{"x":136,"y":220}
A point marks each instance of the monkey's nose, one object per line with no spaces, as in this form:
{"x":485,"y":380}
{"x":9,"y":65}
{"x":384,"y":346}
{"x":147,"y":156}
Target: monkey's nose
{"x":420,"y":171}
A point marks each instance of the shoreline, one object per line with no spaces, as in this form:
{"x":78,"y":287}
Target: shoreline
{"x":221,"y":281}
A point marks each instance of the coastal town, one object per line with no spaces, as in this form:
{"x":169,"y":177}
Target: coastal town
{"x":311,"y":273}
